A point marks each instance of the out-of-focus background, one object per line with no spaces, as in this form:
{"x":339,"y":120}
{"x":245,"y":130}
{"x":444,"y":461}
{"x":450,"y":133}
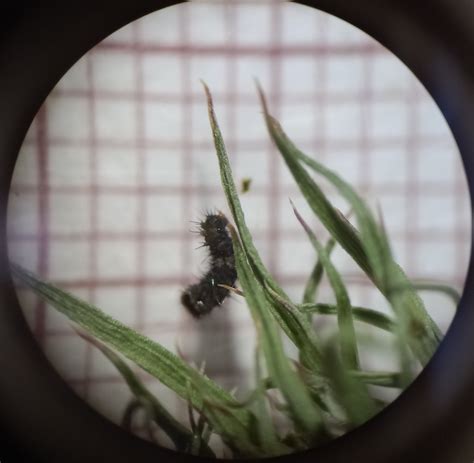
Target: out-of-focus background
{"x":120,"y":160}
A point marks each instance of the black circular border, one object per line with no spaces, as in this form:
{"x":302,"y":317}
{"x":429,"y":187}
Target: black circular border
{"x":41,"y":419}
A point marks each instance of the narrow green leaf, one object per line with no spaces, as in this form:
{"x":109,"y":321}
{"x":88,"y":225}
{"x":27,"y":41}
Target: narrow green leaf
{"x":314,"y":280}
{"x":336,"y":224}
{"x":178,"y":433}
{"x":290,"y":322}
{"x":265,"y":427}
{"x":232,"y":196}
{"x":293,"y":322}
{"x":350,"y":392}
{"x":380,"y":378}
{"x":449,"y":291}
{"x":149,"y":355}
{"x":369,"y":316}
{"x":308,"y":344}
{"x":305,"y":413}
{"x":345,"y":322}
{"x":309,"y":354}
{"x":369,"y":249}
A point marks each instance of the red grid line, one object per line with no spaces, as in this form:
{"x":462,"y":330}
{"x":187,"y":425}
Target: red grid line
{"x":141,"y":169}
{"x":411,"y":184}
{"x":230,"y":97}
{"x":44,"y":213}
{"x":431,"y":188}
{"x":365,"y":95}
{"x":186,"y":153}
{"x":333,"y":97}
{"x":224,"y":50}
{"x":293,"y":279}
{"x":186,"y":143}
{"x":226,"y":324}
{"x":340,"y":144}
{"x":429,"y":234}
{"x":93,"y":212}
{"x":273,"y":235}
{"x":463,"y":200}
{"x":322,"y":96}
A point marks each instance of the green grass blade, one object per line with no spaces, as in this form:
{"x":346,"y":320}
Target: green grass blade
{"x":291,"y":323}
{"x":305,"y":413}
{"x":345,"y":322}
{"x":449,"y":291}
{"x":149,"y":355}
{"x":380,"y":378}
{"x":350,"y":391}
{"x":370,"y":249}
{"x":314,"y":280}
{"x":300,"y":328}
{"x":306,"y":340}
{"x":337,"y":225}
{"x":265,"y":426}
{"x":232,"y":196}
{"x":178,"y":433}
{"x":362,"y":314}
{"x":235,"y":207}
{"x":309,"y":355}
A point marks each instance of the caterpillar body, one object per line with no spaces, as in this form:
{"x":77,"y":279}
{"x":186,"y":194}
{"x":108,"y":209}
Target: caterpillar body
{"x":200,"y":298}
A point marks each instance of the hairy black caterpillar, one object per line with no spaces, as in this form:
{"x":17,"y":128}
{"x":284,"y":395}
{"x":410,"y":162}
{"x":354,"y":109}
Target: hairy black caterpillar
{"x":200,"y":298}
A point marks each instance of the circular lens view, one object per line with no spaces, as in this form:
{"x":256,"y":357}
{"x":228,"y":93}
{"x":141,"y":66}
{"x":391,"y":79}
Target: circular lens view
{"x":239,"y":229}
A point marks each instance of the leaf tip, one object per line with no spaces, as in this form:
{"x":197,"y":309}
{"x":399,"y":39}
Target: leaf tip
{"x":206,"y":88}
{"x":210,"y":104}
{"x":263,"y":100}
{"x":295,"y":211}
{"x":302,"y":221}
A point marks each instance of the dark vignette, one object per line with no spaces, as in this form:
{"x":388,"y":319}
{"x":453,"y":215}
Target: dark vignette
{"x":42,"y":420}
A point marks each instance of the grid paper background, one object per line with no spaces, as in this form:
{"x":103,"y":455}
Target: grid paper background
{"x":120,"y":160}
